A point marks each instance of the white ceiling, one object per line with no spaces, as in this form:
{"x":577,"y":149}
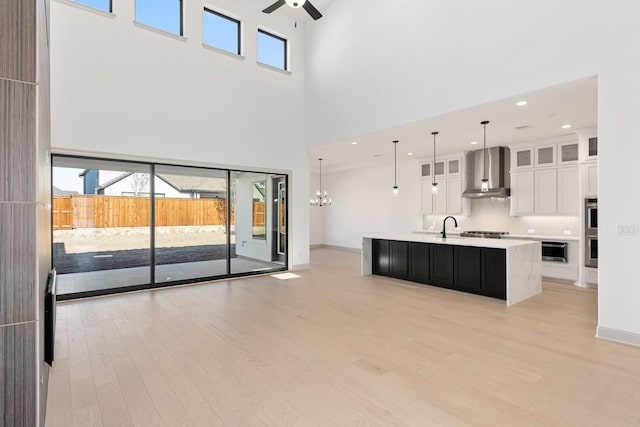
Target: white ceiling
{"x":547,"y":110}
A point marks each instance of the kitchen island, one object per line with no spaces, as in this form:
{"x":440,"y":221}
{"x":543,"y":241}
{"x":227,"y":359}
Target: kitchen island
{"x":500,"y":268}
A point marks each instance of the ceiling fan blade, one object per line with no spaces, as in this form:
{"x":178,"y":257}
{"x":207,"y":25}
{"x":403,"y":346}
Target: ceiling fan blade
{"x":311,"y":10}
{"x":274,"y":6}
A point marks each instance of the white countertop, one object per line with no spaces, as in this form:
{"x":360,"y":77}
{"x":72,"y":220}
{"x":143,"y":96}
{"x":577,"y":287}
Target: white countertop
{"x":570,"y":238}
{"x":454,"y":240}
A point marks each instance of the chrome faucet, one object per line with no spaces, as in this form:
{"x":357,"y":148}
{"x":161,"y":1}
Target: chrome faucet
{"x":444,"y":223}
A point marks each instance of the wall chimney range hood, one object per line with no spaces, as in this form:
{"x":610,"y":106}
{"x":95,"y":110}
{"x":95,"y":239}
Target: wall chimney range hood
{"x":498,"y":162}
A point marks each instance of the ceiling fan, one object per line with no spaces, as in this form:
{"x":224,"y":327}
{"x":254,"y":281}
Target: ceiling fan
{"x":305,"y":4}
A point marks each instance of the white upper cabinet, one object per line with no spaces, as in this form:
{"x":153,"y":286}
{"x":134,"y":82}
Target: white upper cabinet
{"x":522,"y":158}
{"x":522,"y":195}
{"x":568,"y":153}
{"x":545,"y":178}
{"x":546,"y":191}
{"x":590,"y":179}
{"x":588,"y":138}
{"x":425,"y":170}
{"x":568,"y":194}
{"x":426,"y":201}
{"x":546,"y":156}
{"x":454,"y":167}
{"x":440,"y":198}
{"x":592,"y":147}
{"x":449,"y":173}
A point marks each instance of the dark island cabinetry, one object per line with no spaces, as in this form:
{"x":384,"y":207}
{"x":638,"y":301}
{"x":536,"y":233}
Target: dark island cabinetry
{"x":380,"y":260}
{"x":391,"y":258}
{"x":442,"y":268}
{"x":419,"y":262}
{"x":494,"y":276}
{"x":465,"y":268}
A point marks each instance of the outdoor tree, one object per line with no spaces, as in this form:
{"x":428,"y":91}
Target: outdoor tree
{"x":139,"y":183}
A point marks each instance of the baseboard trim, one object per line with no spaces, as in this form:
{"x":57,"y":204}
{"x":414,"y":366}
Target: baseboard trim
{"x":298,"y":267}
{"x":340,"y":248}
{"x":617,"y":335}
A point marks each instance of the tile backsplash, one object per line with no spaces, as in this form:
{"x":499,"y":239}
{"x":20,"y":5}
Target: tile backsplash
{"x":493,"y":215}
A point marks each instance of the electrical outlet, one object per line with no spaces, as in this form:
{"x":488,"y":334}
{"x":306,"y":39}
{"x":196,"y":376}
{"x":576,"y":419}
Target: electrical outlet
{"x":531,"y":231}
{"x":627,"y":229}
{"x":567,"y":232}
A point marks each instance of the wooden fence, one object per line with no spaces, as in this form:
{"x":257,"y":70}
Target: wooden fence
{"x":92,"y":211}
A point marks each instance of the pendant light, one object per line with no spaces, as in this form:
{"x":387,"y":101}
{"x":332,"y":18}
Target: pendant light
{"x":484,"y":187}
{"x":395,"y":167}
{"x":434,"y":184}
{"x":322,"y":198}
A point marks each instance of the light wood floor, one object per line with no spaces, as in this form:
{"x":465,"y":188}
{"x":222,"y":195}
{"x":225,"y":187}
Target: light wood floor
{"x":333,"y":348}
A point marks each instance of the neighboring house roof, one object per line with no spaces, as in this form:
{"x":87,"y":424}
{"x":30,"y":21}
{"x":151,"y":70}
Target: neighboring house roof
{"x":113,"y":181}
{"x":58,"y":192}
{"x":182,"y":183}
{"x":194,"y":184}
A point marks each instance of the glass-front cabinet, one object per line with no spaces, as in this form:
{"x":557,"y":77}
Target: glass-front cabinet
{"x":453,"y":167}
{"x":545,"y":177}
{"x":448,"y":172}
{"x":592,"y":150}
{"x":568,"y":153}
{"x":523,"y":158}
{"x":546,"y":155}
{"x":425,"y":170}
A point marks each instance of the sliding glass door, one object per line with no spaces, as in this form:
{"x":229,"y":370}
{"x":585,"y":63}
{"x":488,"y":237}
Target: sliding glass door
{"x":101,"y":225}
{"x":257,"y":222}
{"x":121,"y":226}
{"x":191,"y":229}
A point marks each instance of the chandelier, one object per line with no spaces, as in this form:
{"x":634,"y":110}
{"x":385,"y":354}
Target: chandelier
{"x":321,"y":198}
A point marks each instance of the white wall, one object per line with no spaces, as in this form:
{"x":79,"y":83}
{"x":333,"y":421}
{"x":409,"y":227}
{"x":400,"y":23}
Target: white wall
{"x":363,"y":204}
{"x":618,"y":201}
{"x":409,"y":60}
{"x":123,"y":91}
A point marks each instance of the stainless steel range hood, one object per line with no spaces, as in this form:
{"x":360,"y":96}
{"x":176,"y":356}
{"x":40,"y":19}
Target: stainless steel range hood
{"x":498,"y":162}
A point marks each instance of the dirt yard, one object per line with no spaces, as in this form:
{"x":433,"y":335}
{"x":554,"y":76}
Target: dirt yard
{"x":124,"y":238}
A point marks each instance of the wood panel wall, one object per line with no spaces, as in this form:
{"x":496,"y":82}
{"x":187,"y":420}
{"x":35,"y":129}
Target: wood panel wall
{"x":25,"y":251}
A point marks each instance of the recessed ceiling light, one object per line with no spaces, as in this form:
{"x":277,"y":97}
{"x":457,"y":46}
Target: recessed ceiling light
{"x":566,"y":126}
{"x":474,"y":142}
{"x":521,"y":103}
{"x":354,"y":143}
{"x":410,"y":154}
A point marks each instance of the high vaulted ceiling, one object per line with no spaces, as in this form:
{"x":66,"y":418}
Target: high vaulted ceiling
{"x":546,"y":111}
